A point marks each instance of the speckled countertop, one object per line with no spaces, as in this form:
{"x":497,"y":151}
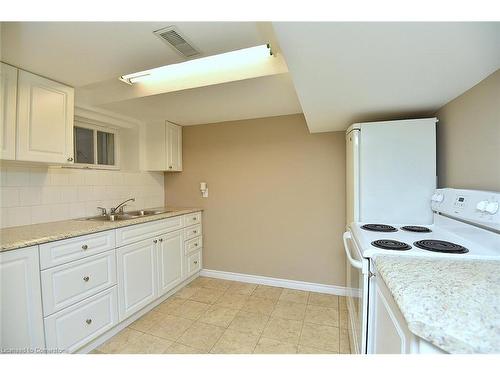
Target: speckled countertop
{"x":452,"y":303}
{"x":29,"y":235}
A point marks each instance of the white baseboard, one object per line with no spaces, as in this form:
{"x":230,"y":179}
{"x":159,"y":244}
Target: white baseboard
{"x":271,"y":281}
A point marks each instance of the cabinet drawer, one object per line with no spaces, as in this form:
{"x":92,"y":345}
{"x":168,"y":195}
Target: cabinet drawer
{"x":191,"y":219}
{"x":192,"y":231}
{"x":193,"y":263}
{"x":139,"y":232}
{"x":69,"y":283}
{"x":193,"y":244}
{"x":79,"y":324}
{"x":64,"y":251}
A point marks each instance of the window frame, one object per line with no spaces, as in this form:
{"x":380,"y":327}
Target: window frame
{"x":95,"y":127}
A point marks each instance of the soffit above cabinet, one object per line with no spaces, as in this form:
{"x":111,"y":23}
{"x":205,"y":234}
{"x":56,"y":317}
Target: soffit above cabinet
{"x":253,"y":98}
{"x":347,"y":72}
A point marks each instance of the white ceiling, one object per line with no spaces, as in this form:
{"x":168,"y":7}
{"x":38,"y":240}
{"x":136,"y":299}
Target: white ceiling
{"x":349,"y":72}
{"x":82,"y":53}
{"x":251,"y":98}
{"x":340,"y":73}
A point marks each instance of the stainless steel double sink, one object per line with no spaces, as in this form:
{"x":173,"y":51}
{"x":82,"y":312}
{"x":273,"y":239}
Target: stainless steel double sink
{"x":128,"y":215}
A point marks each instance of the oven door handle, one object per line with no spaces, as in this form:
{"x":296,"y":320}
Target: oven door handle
{"x":354,"y":263}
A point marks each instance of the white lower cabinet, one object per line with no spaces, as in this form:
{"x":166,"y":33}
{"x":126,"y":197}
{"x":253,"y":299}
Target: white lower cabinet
{"x":88,"y":286}
{"x":75,"y":326}
{"x":193,"y":263}
{"x":388,"y":331}
{"x":170,"y":252}
{"x":137,"y":276}
{"x":64,"y":285}
{"x":21,"y":319}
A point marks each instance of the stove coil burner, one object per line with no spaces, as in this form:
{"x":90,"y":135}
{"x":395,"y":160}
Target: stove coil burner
{"x":416,"y":228}
{"x":441,"y":246}
{"x":391,"y":245}
{"x":379,"y":228}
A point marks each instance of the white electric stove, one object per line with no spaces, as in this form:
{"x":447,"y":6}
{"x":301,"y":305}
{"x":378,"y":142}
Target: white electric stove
{"x":466,"y":224}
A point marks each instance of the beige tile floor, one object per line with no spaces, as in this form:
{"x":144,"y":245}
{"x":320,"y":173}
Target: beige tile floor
{"x":220,"y":316}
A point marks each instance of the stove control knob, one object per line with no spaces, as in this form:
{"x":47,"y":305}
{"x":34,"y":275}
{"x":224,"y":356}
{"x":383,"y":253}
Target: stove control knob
{"x":481,"y":206}
{"x":492,"y":208}
{"x":438,"y":197}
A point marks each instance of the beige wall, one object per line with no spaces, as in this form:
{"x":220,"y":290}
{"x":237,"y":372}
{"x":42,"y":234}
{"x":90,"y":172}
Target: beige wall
{"x":469,"y":138}
{"x":276,"y":204}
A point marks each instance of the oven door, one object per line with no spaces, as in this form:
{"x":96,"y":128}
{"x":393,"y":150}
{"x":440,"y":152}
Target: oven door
{"x":357,"y":278}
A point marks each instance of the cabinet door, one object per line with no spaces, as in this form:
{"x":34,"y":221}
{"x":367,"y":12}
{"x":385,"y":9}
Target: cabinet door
{"x":21,"y":319}
{"x":137,"y":277}
{"x":174,"y":147}
{"x":170,"y":257}
{"x":44,"y":120}
{"x":8,"y":94}
{"x":156,"y":147}
{"x":389,"y":332}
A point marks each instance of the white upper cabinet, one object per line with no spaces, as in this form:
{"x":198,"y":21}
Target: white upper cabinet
{"x":44,"y":120}
{"x":174,"y":147}
{"x":163,"y":147}
{"x":8,"y":94}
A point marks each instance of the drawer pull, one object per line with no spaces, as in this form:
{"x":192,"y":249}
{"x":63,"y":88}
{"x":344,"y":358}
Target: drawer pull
{"x":86,"y":278}
{"x":155,"y":241}
{"x":88,"y":321}
{"x":194,"y":218}
{"x":195,"y":231}
{"x":161,"y":240}
{"x":196,"y":244}
{"x":84,"y":247}
{"x":195,"y":262}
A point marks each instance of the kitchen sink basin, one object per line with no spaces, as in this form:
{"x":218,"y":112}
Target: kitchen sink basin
{"x":128,"y":215}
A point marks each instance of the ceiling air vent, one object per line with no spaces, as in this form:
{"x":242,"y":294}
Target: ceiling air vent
{"x":173,"y":38}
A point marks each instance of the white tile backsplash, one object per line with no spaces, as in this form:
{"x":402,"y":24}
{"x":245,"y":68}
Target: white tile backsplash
{"x":32,"y":195}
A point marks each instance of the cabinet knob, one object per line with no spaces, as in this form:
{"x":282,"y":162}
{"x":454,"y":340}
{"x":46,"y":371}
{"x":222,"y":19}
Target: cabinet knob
{"x":194,"y":218}
{"x":169,"y":167}
{"x":86,"y":278}
{"x":88,"y":321}
{"x":84,"y":247}
{"x":195,"y":262}
{"x":196,"y":244}
{"x":195,"y":231}
{"x":70,"y":159}
{"x":155,"y":241}
{"x":161,"y":240}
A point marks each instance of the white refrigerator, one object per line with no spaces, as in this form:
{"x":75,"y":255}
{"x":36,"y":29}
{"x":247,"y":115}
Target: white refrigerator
{"x":391,"y":171}
{"x":391,"y":176}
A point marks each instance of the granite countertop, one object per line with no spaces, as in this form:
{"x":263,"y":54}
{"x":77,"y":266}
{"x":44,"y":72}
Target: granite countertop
{"x":452,"y":303}
{"x":36,"y":234}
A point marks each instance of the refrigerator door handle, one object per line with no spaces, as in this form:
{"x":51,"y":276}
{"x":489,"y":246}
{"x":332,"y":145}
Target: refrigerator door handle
{"x":355,"y":263}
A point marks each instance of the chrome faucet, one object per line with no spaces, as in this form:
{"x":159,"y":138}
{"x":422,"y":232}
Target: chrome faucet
{"x":119,"y":208}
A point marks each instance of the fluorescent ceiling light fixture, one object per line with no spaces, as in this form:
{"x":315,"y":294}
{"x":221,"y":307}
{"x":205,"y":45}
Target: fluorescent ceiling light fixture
{"x":230,"y":62}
